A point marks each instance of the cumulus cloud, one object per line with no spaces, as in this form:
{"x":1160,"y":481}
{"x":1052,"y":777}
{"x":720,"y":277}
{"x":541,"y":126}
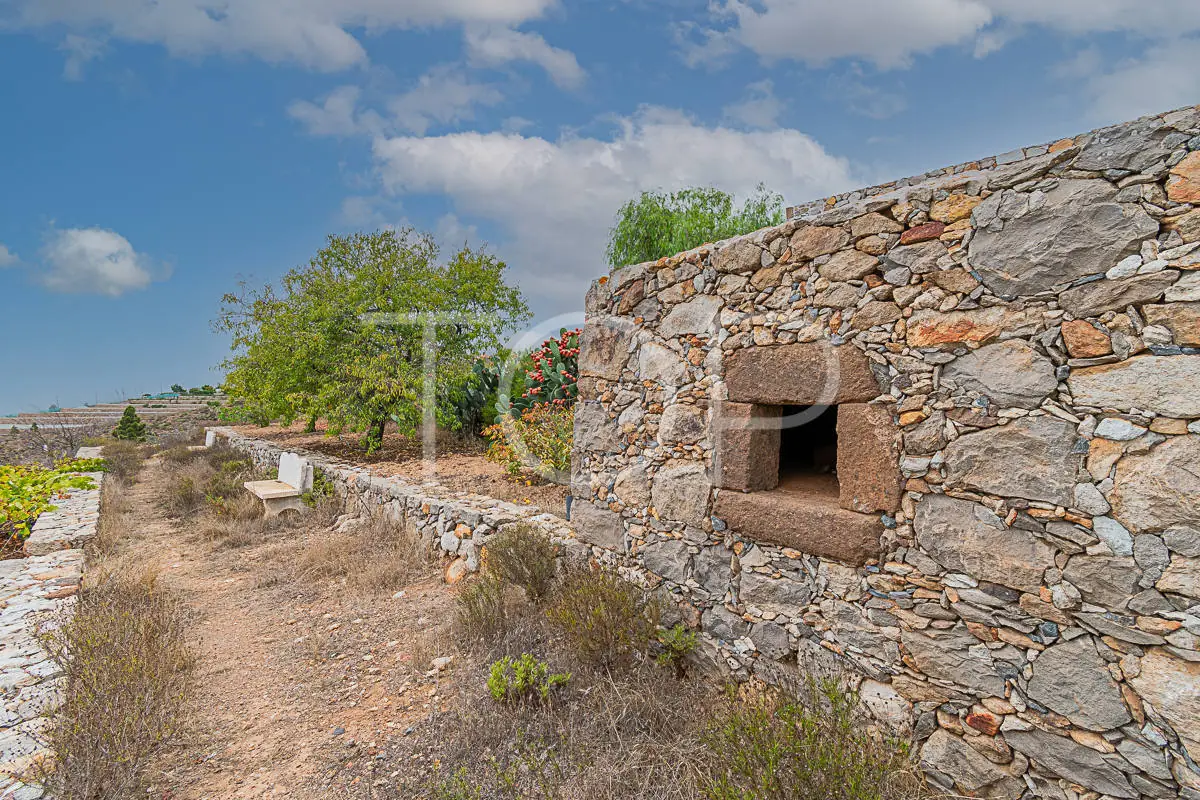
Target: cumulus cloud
{"x":760,"y":108}
{"x":94,"y":261}
{"x":7,"y":257}
{"x":493,"y":47}
{"x":442,"y":96}
{"x":891,"y":34}
{"x":312,"y":33}
{"x":555,"y":200}
{"x":1158,"y":80}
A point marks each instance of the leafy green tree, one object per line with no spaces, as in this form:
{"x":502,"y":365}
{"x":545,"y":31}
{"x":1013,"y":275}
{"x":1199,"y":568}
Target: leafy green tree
{"x":343,"y":337}
{"x":658,"y":224}
{"x":130,"y":428}
{"x":177,"y":388}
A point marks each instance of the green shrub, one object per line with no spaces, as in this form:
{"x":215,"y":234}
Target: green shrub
{"x":130,"y":428}
{"x":539,"y":441}
{"x":322,"y":490}
{"x":481,"y":609}
{"x":523,"y":679}
{"x":677,"y":643}
{"x":524,"y":556}
{"x":604,"y":618}
{"x":763,"y":748}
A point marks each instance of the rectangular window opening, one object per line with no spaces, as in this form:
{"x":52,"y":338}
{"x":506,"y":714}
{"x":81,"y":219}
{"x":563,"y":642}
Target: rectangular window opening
{"x":808,"y":451}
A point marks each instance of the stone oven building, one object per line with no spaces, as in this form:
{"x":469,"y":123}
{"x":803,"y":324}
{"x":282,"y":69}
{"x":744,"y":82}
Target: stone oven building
{"x":943,"y":433}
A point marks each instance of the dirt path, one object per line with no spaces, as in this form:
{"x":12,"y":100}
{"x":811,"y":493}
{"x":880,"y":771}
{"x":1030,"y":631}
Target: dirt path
{"x":302,"y":684}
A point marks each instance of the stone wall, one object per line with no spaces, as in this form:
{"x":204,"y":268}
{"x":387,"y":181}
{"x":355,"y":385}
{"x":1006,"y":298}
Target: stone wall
{"x":458,"y":524}
{"x":1008,"y":550}
{"x":33,"y":593}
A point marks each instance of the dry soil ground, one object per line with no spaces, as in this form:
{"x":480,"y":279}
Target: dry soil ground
{"x":305,"y":687}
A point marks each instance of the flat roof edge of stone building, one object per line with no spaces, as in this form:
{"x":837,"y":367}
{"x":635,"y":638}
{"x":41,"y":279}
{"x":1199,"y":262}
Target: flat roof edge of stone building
{"x":814,"y":208}
{"x":839,"y":208}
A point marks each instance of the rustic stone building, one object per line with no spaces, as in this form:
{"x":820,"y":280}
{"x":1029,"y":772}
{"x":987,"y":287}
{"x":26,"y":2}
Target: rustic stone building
{"x":944,"y":433}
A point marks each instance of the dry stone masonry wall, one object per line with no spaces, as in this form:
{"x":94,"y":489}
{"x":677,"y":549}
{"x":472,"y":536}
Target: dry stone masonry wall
{"x":457,"y":524}
{"x":34,"y":593}
{"x":1000,"y":532}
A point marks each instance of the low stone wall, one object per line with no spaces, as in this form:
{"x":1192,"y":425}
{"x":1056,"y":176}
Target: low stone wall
{"x":1006,"y":544}
{"x":456,"y":523}
{"x":34,"y":592}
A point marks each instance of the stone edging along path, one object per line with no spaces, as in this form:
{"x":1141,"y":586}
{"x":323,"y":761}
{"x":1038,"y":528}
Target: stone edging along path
{"x":33,"y":593}
{"x":459,"y":523}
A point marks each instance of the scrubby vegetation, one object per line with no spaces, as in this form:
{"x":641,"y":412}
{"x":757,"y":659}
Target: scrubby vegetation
{"x":126,"y":666}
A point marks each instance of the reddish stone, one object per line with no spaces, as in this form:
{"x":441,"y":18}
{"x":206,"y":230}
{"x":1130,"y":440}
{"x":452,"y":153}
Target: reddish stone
{"x":867,"y":459}
{"x":815,"y":373}
{"x":632,"y":296}
{"x":1181,"y":319}
{"x":923,"y":233}
{"x":811,"y":522}
{"x":1184,"y":184}
{"x":59,"y":594}
{"x":1084,"y":340}
{"x":747,"y":455}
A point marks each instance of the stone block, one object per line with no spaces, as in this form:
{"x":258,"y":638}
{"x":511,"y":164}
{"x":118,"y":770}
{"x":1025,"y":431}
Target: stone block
{"x":966,"y":537}
{"x":811,"y":373}
{"x":598,"y":526}
{"x":1184,"y":184}
{"x":1169,"y":684}
{"x":1160,"y":489}
{"x":604,"y":347}
{"x":1085,"y":340}
{"x":1093,"y":299}
{"x":971,"y":773}
{"x":1181,"y":319}
{"x":696,"y":317}
{"x":813,"y":241}
{"x":936,"y":329}
{"x":1071,"y":679}
{"x":816,"y":525}
{"x":1166,"y":385}
{"x":594,"y":431}
{"x":1033,"y":458}
{"x":1078,"y":229}
{"x":1010,"y":374}
{"x":867,"y":459}
{"x":748,"y":437}
{"x":1078,"y":764}
{"x":680,"y":492}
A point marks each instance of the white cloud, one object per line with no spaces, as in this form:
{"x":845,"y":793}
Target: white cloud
{"x":312,"y":33}
{"x":80,"y":50}
{"x":889,"y":34}
{"x":442,"y":96}
{"x":1160,"y":79}
{"x":555,"y":200}
{"x":337,"y":115}
{"x":7,"y":257}
{"x":94,"y":261}
{"x":759,"y":109}
{"x":493,"y":47}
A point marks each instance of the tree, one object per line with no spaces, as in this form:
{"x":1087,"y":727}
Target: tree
{"x":177,"y":388}
{"x":343,"y":337}
{"x":130,"y":428}
{"x":657,"y":224}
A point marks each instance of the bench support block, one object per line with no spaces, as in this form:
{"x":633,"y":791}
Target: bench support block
{"x":274,"y":506}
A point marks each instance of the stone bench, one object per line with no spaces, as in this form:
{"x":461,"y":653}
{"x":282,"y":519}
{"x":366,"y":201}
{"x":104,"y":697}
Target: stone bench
{"x":278,"y":496}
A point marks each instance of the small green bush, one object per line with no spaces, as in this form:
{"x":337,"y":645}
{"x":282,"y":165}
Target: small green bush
{"x":764,"y":748}
{"x":526,"y":557}
{"x":515,"y":681}
{"x":322,"y":490}
{"x":677,"y":643}
{"x":130,"y":428}
{"x":604,"y":618}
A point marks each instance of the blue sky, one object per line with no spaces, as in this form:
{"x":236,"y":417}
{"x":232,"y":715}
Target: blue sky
{"x":155,"y":153}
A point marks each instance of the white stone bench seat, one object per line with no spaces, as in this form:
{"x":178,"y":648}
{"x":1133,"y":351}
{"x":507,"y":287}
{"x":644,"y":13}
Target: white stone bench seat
{"x":278,"y":496}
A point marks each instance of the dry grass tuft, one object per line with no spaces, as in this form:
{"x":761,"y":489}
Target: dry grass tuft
{"x":127,"y":671}
{"x":379,"y":556}
{"x":124,"y":460}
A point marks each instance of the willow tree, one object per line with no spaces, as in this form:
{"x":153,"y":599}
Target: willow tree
{"x":658,"y":224}
{"x":352,"y":336}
